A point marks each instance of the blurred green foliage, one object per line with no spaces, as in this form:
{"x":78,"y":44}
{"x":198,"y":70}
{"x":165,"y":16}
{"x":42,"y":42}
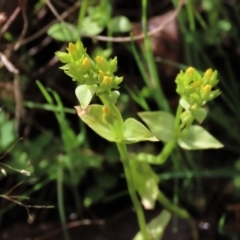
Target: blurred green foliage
{"x":210,"y":35}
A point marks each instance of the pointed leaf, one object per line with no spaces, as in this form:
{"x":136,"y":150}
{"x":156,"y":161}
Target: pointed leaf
{"x":198,"y":138}
{"x":184,"y":104}
{"x":65,"y":32}
{"x":93,"y":117}
{"x":146,"y":183}
{"x":120,"y":24}
{"x":199,"y":114}
{"x":156,"y":226}
{"x":113,"y":96}
{"x":160,"y":123}
{"x":134,"y":131}
{"x":85,"y":94}
{"x":91,"y":27}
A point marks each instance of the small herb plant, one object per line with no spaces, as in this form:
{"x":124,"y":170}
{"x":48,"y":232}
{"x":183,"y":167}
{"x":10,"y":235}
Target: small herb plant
{"x":96,"y":77}
{"x":92,"y":20}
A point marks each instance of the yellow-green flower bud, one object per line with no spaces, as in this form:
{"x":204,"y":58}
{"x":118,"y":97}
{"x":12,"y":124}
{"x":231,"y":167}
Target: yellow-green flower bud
{"x":86,"y":63}
{"x":207,"y":76}
{"x":102,"y":74}
{"x":190,"y":70}
{"x":205,"y":92}
{"x":117,"y":81}
{"x":213,"y":80}
{"x":73,"y":51}
{"x":113,"y":64}
{"x":102,"y":63}
{"x":107,"y":80}
{"x":208,"y":73}
{"x":63,"y":57}
{"x":195,"y":85}
{"x":80,"y":48}
{"x":196,"y":88}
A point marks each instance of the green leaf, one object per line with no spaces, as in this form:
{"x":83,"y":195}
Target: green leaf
{"x":183,"y":102}
{"x":91,"y":27}
{"x":93,"y":117}
{"x":134,"y":131}
{"x":112,"y":97}
{"x":199,"y":114}
{"x":7,"y":135}
{"x":145,"y":182}
{"x":198,"y":138}
{"x":224,"y":25}
{"x":160,"y":123}
{"x":85,"y":94}
{"x":120,"y":24}
{"x":156,"y":226}
{"x":65,"y":32}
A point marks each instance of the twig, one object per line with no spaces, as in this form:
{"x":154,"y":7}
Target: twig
{"x":141,"y":36}
{"x":10,"y":67}
{"x":125,"y":39}
{"x":25,"y":24}
{"x":10,"y":148}
{"x":44,"y":29}
{"x":9,"y":21}
{"x":54,"y":11}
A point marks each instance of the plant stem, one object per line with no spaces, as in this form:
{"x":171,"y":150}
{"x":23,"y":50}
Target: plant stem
{"x":166,"y":151}
{"x":131,"y":189}
{"x":165,"y":202}
{"x":118,"y":129}
{"x":82,"y":12}
{"x":168,"y":147}
{"x":149,"y":57}
{"x":61,"y":203}
{"x":179,"y":212}
{"x":178,"y":117}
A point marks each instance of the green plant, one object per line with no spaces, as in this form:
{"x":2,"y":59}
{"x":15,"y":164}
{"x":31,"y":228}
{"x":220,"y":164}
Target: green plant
{"x":93,"y":18}
{"x":6,"y":138}
{"x":96,"y":77}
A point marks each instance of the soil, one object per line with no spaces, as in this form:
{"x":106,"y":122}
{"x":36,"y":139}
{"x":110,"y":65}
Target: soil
{"x":122,"y":226}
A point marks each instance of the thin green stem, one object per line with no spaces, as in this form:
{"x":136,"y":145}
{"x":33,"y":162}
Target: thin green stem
{"x":168,"y":147}
{"x":166,"y":203}
{"x":157,"y":88}
{"x":176,"y":192}
{"x":178,"y":117}
{"x":131,"y":189}
{"x":165,"y":153}
{"x":61,"y":203}
{"x":117,"y":127}
{"x":82,"y":12}
{"x":190,"y":15}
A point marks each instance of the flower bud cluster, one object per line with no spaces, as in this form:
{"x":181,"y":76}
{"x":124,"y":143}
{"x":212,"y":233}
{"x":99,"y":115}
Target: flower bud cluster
{"x":197,"y":89}
{"x":81,"y":68}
